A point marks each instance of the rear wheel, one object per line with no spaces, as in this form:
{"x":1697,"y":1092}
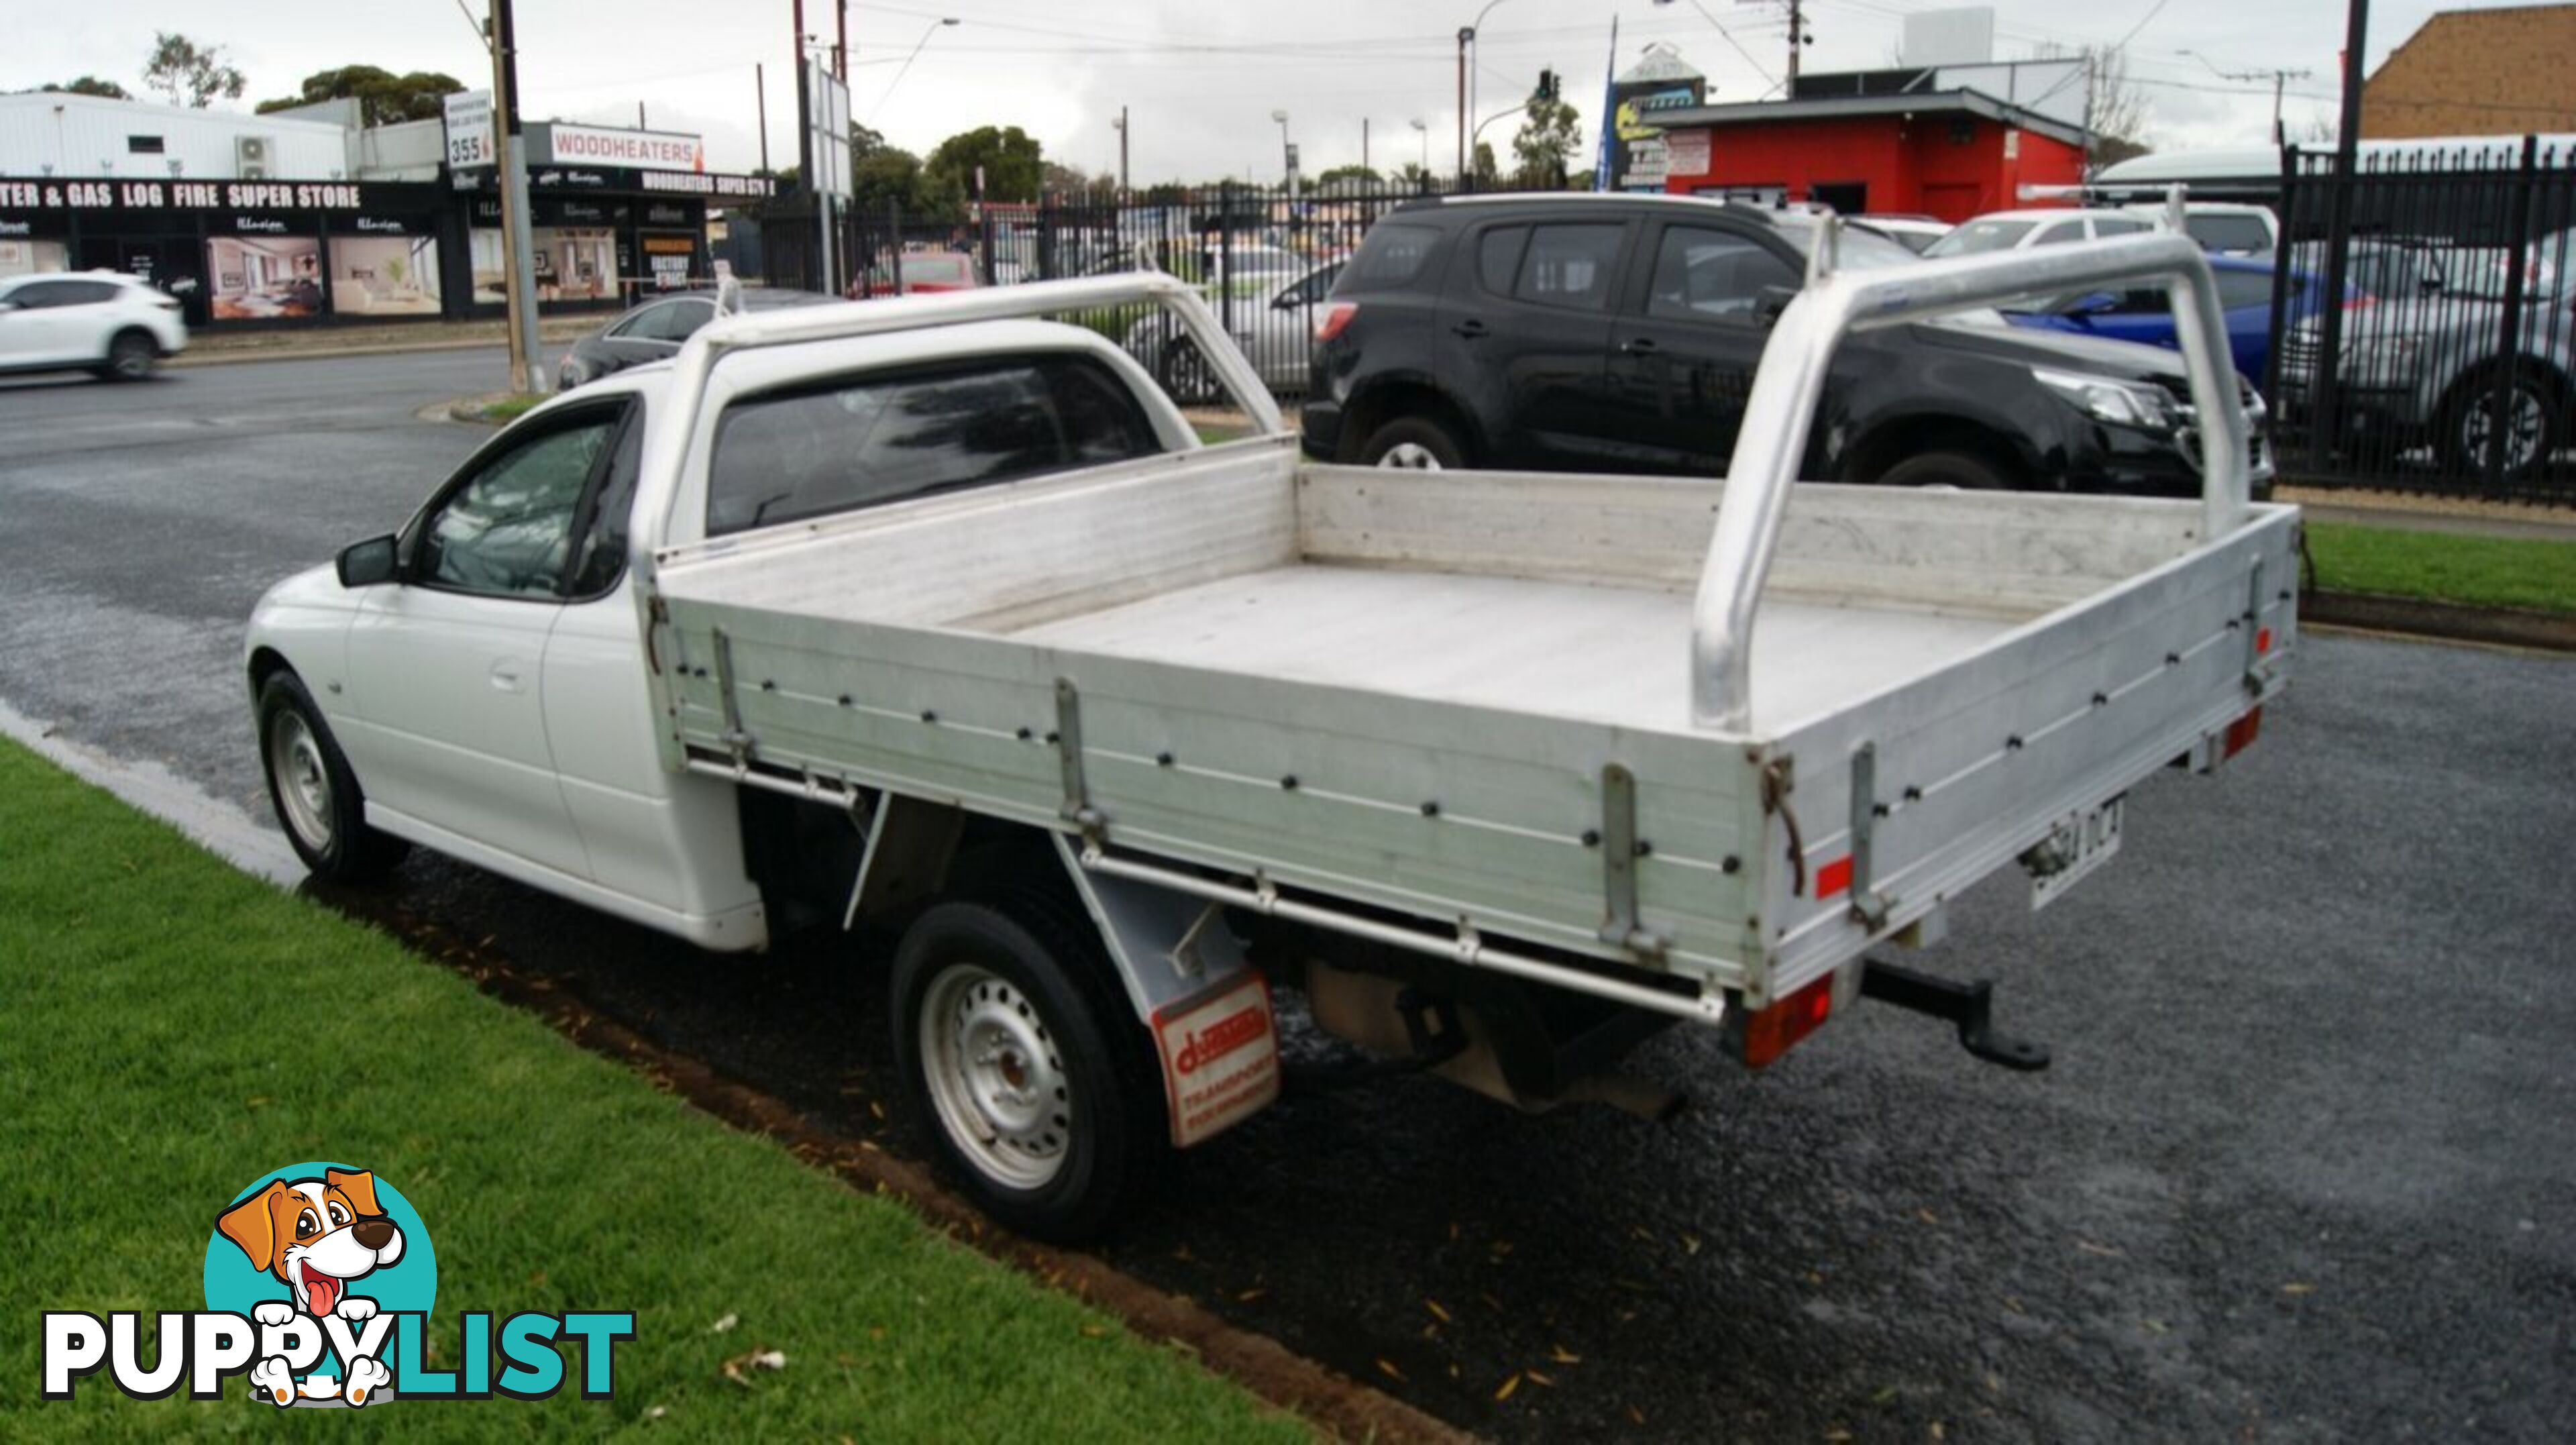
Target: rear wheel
{"x":315,"y":795}
{"x":1019,"y":1051}
{"x":1966,"y":471}
{"x":1413,"y":443}
{"x":1186,"y":373}
{"x":131,"y":356}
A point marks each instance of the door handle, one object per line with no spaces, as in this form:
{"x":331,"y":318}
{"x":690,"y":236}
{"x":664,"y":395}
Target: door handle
{"x":1469,"y":329}
{"x":506,"y":676}
{"x":1637,"y":346}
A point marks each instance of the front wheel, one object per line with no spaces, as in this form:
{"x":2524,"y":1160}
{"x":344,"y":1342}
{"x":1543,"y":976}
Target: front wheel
{"x":1964,"y":471}
{"x":314,"y":792}
{"x":1186,"y":375}
{"x":1020,"y":1053}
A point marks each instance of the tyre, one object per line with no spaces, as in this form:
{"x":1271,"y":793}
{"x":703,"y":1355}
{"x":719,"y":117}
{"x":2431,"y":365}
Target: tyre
{"x":1021,"y":1055}
{"x":1413,"y":443}
{"x":131,"y":356}
{"x":2535,"y":427}
{"x":1185,"y":374}
{"x":1966,"y":471}
{"x":315,"y":795}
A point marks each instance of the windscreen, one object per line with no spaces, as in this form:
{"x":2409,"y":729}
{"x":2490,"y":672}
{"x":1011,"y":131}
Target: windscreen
{"x":1974,"y":237}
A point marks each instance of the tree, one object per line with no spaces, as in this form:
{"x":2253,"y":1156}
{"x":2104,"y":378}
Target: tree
{"x":1063,"y":179}
{"x":1488,"y":174}
{"x":2115,"y":107}
{"x":190,"y":74}
{"x":1010,"y":157}
{"x":383,"y":97}
{"x":892,"y":176}
{"x":1546,"y":142}
{"x":1350,"y":175}
{"x":89,"y":85}
{"x":1411,"y":176}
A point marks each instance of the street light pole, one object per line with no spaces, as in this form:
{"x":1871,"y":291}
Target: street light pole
{"x":1121,"y":123}
{"x":1467,"y":56}
{"x":527,"y":359}
{"x":1287,"y":155}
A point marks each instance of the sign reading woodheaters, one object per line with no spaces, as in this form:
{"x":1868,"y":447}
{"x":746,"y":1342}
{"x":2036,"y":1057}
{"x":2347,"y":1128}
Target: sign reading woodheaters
{"x":1220,"y":1057}
{"x":585,"y":145}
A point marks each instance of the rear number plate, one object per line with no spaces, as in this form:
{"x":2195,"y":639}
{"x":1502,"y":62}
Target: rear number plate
{"x":2080,"y":845}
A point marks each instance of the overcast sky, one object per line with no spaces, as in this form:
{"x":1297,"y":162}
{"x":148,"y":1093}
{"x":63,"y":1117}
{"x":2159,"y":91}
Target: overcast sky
{"x":1199,"y":79}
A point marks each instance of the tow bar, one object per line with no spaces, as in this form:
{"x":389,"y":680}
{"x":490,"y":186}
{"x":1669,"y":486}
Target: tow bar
{"x":1969,"y":1005}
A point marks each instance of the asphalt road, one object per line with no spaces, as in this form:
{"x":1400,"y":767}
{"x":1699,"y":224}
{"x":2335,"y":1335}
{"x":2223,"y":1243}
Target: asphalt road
{"x":2303,"y":1169}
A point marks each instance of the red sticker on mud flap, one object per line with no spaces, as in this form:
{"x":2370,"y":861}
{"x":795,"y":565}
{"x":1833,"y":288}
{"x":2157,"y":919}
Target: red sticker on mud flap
{"x":1220,"y":1056}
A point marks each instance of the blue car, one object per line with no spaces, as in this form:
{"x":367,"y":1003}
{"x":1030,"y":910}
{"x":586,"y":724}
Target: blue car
{"x":2244,"y":293}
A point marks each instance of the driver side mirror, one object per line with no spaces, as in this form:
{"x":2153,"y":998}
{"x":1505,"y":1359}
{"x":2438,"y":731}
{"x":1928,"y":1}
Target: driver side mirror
{"x":1770,"y":301}
{"x":367,"y":563}
{"x":2091,"y":303}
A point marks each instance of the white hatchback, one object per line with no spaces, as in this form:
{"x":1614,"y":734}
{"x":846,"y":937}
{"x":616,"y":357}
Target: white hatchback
{"x":119,"y":327}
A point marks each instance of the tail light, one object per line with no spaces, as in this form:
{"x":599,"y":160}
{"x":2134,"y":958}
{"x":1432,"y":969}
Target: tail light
{"x":1769,"y":1033}
{"x":1335,"y":317}
{"x":2241,"y":734}
{"x":165,"y":303}
{"x":2359,"y":300}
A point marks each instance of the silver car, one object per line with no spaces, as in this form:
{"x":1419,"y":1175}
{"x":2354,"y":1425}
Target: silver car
{"x":1272,"y":319}
{"x":2423,"y":363}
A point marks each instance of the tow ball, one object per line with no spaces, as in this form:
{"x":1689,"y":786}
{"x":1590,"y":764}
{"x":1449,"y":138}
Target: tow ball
{"x":1968,"y":1005}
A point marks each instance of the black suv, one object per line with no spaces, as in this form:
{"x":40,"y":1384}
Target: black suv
{"x":1621,"y":333}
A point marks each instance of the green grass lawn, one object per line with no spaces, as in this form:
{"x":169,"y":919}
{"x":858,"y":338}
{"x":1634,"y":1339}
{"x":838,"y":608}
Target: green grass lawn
{"x":510,"y":408}
{"x":170,"y":1029}
{"x":2487,"y":571}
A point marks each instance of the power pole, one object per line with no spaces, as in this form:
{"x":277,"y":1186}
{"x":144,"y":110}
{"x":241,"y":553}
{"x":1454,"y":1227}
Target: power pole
{"x":1122,"y":152}
{"x":527,"y":358}
{"x":841,"y":46}
{"x":760,"y":92}
{"x":1364,"y":120}
{"x":2327,"y":418}
{"x":1797,"y":38}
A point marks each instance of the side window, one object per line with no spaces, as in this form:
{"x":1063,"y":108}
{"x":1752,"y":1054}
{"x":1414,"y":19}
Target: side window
{"x":681,"y":320}
{"x":602,"y":559}
{"x":2117,"y":226}
{"x":1704,"y":275}
{"x":1498,"y":257}
{"x":1569,"y":266}
{"x":638,"y":325}
{"x":868,"y":441}
{"x":1391,"y":255}
{"x":2060,"y":234}
{"x":2239,"y":289}
{"x":508,"y":531}
{"x":40,"y":295}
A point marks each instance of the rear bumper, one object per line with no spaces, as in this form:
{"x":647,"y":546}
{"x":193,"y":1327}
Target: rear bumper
{"x":1319,"y":424}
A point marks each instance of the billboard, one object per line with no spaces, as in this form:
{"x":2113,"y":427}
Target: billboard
{"x":1661,"y":82}
{"x":593,"y":145}
{"x":827,"y":125}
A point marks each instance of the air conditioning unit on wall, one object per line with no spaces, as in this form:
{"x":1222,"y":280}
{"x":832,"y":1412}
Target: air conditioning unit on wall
{"x":251,"y":157}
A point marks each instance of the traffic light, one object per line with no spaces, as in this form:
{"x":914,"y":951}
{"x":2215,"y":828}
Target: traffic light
{"x":1546,"y":85}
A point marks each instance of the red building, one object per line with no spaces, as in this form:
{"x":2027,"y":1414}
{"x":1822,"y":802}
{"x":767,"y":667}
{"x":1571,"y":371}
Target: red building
{"x":1950,"y":154}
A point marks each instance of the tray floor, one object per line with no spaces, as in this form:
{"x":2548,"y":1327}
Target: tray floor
{"x":1597,"y":654}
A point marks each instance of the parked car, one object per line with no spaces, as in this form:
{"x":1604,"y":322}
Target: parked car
{"x":924,"y":273}
{"x":911,"y":620}
{"x":654,"y":331}
{"x":1274,"y":324}
{"x":2424,"y":370}
{"x":114,"y":326}
{"x":2046,"y":226}
{"x":1914,"y":233}
{"x":2223,"y":228}
{"x":1621,"y":333}
{"x":2141,"y":314}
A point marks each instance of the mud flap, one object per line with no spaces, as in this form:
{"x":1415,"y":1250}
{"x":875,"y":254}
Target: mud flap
{"x":1220,"y":1055}
{"x":1195,"y":991}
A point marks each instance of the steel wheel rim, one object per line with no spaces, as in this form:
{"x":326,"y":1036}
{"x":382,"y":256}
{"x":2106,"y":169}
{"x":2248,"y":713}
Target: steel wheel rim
{"x":996,"y":1076}
{"x":303,"y":780}
{"x":2521,"y":432}
{"x":1410,"y":457}
{"x":1190,"y":377}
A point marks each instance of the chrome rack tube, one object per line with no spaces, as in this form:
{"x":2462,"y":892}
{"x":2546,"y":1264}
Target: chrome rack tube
{"x":1791,"y":381}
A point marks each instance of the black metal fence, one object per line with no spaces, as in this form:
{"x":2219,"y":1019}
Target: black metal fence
{"x":1266,"y":257}
{"x":2450,"y":366}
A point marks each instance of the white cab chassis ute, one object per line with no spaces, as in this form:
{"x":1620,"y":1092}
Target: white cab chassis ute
{"x":935,"y":613}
